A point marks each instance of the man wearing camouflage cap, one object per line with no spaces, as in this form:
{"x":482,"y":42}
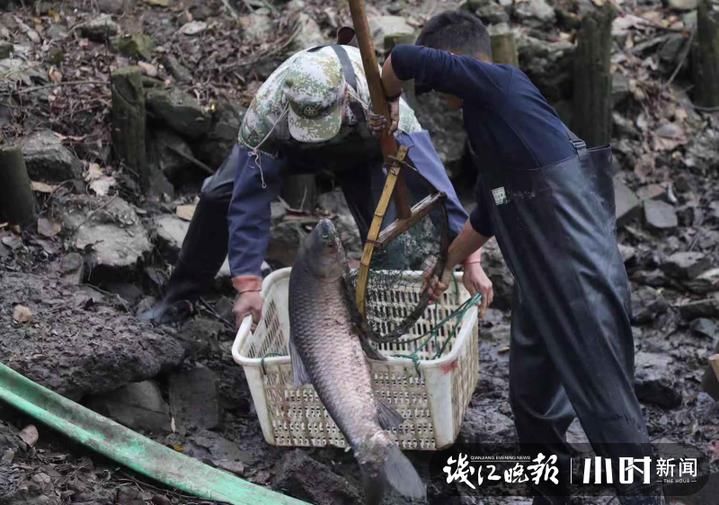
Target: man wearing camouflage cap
{"x":311,"y":114}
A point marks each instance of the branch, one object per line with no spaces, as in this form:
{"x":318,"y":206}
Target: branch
{"x":64,"y":83}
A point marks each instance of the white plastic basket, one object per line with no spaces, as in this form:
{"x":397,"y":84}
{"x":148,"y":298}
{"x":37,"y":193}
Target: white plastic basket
{"x":432,"y":402}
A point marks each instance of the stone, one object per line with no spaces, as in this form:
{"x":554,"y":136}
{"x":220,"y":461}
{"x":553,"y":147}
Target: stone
{"x":257,"y":27}
{"x":171,"y":231}
{"x":707,"y":307}
{"x":47,"y":159}
{"x":704,"y":327}
{"x":671,"y":50}
{"x":660,"y":215}
{"x":310,"y":33}
{"x":686,"y":265}
{"x":381,"y":26}
{"x":72,"y":267}
{"x":168,"y":149}
{"x":446,"y":129}
{"x":626,"y":202}
{"x":628,"y":252}
{"x":6,"y":49}
{"x":179,"y":111}
{"x":296,"y":476}
{"x":484,"y":424}
{"x":107,"y":229}
{"x":620,"y":88}
{"x":138,"y":405}
{"x":100,"y":28}
{"x":134,"y":45}
{"x":548,"y":65}
{"x":208,"y":445}
{"x":176,"y":69}
{"x":535,"y":14}
{"x":193,"y":28}
{"x":114,"y":6}
{"x":683,"y":5}
{"x":194,"y":401}
{"x":492,"y":13}
{"x":654,"y":381}
{"x":647,"y":304}
{"x":706,"y":282}
{"x":200,"y":335}
{"x":20,"y":70}
{"x":217,"y":144}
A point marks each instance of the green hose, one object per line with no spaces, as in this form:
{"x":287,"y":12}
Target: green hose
{"x":131,"y":449}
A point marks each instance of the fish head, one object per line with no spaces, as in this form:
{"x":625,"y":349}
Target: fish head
{"x":324,"y":251}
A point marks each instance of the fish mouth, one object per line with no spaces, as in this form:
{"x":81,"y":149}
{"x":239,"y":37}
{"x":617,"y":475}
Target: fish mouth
{"x":328,"y":233}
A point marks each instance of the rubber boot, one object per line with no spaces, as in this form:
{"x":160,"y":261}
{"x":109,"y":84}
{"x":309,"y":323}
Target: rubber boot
{"x":203,"y":251}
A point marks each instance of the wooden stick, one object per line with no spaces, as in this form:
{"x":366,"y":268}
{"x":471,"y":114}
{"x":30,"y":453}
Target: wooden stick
{"x":17,"y":202}
{"x":419,"y":211}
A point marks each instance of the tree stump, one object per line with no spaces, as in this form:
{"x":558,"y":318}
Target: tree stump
{"x":300,"y":192}
{"x":593,"y":77}
{"x":504,"y":48}
{"x":390,"y":41}
{"x":17,"y":203}
{"x":128,"y":122}
{"x":705,"y":56}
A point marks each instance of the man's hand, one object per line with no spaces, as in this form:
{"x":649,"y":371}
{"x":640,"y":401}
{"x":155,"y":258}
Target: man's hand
{"x":435,"y":285}
{"x":476,"y":281}
{"x":248,"y":303}
{"x":378,"y":123}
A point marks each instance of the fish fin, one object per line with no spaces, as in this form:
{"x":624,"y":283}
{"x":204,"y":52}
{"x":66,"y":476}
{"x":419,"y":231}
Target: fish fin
{"x":401,"y":474}
{"x":299,"y":372}
{"x":374,"y":489}
{"x":388,"y":417}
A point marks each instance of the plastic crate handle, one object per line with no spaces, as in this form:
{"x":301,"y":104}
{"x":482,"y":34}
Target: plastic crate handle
{"x":245,"y":328}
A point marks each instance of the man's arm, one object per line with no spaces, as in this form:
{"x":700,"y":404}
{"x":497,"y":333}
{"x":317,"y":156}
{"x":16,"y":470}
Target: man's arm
{"x":462,"y":76}
{"x":257,"y":184}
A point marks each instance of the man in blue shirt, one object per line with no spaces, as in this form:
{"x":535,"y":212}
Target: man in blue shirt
{"x":549,"y":202}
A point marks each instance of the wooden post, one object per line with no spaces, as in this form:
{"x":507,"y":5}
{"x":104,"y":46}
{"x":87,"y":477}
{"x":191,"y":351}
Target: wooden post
{"x":17,"y":203}
{"x":389,"y":42}
{"x":504,"y":48}
{"x":300,"y":192}
{"x":593,"y":78}
{"x":705,"y":57}
{"x":128,"y":121}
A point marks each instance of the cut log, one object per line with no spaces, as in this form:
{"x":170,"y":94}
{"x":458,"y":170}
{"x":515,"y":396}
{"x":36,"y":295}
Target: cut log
{"x":705,"y":57}
{"x":390,"y":41}
{"x":504,"y":48}
{"x":300,"y":192}
{"x":17,"y":203}
{"x":593,"y":78}
{"x":128,"y":122}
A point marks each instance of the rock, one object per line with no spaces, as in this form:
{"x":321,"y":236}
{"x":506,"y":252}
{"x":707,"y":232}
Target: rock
{"x":138,"y":406}
{"x":626,"y":202}
{"x":257,"y":27}
{"x":166,"y":149}
{"x":217,"y":144}
{"x":114,"y":6}
{"x":654,"y":381}
{"x":492,"y":13}
{"x":647,"y":304}
{"x":708,"y":307}
{"x":535,"y":14}
{"x":87,"y":345}
{"x":670,"y":51}
{"x":171,"y":231}
{"x":628,"y":252}
{"x":704,"y":283}
{"x":381,"y":26}
{"x":484,"y":424}
{"x":99,"y":29}
{"x":21,"y":314}
{"x":6,"y":49}
{"x":107,"y":228}
{"x":194,"y":401}
{"x":193,"y":28}
{"x":296,"y":476}
{"x":48,"y":160}
{"x":72,"y":267}
{"x":683,"y":5}
{"x":20,"y":70}
{"x":686,"y":265}
{"x":701,"y":150}
{"x":310,"y":33}
{"x":445,"y":127}
{"x":704,"y":327}
{"x":208,"y":445}
{"x":135,"y":45}
{"x":620,"y":88}
{"x":179,"y":111}
{"x":201,"y":335}
{"x":548,"y":65}
{"x":660,"y":215}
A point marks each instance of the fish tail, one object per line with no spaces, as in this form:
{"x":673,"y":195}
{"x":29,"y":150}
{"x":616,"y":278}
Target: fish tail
{"x":399,"y":472}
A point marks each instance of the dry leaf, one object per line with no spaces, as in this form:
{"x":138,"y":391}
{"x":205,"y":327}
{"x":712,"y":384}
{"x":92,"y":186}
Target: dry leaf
{"x":54,"y":75}
{"x":102,"y":185}
{"x":29,"y":435}
{"x":41,"y":187}
{"x":193,"y":28}
{"x":93,"y":172}
{"x":148,"y":69}
{"x":48,"y":228}
{"x":185,"y":212}
{"x":158,"y":3}
{"x":21,"y":314}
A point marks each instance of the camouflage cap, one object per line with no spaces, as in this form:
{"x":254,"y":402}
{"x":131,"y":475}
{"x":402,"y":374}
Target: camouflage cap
{"x":314,"y":87}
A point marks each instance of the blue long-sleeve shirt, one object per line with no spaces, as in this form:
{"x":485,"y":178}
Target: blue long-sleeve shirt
{"x":510,"y":125}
